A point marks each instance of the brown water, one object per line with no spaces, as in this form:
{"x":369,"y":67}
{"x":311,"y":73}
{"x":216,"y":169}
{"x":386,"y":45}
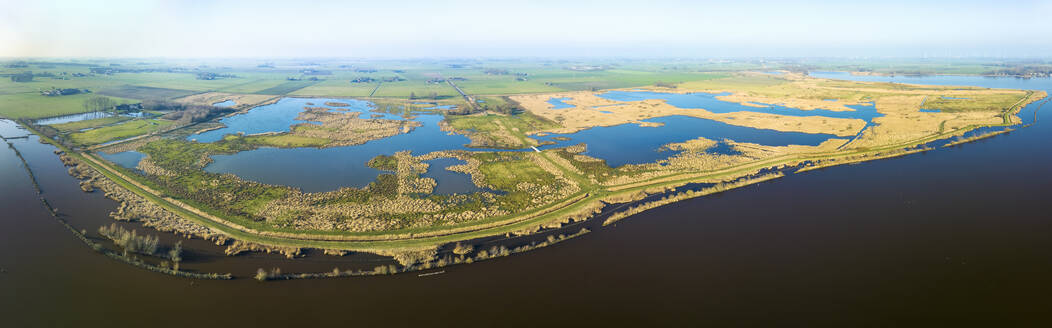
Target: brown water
{"x":959,"y":236}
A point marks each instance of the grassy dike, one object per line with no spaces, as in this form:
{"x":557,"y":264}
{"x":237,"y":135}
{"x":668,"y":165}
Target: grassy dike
{"x":578,"y":206}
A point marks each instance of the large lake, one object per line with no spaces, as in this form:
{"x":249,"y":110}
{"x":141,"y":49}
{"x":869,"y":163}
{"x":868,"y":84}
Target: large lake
{"x":957,"y":236}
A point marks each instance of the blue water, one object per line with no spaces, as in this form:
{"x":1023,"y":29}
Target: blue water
{"x":279,"y":116}
{"x":85,"y":117}
{"x":73,"y":118}
{"x":225,"y":103}
{"x":633,"y":144}
{"x":10,"y":129}
{"x":314,"y":169}
{"x":449,"y":182}
{"x":709,"y":102}
{"x":326,"y":169}
{"x":558,"y":103}
{"x":723,"y":148}
{"x":128,"y":159}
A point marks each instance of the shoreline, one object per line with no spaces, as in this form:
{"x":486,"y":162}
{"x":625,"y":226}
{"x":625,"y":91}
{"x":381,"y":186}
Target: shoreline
{"x":562,"y":213}
{"x":786,"y":159}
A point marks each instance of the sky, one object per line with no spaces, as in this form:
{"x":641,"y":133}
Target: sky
{"x":535,"y":28}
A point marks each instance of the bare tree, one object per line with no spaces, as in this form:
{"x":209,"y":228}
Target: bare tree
{"x":99,"y":104}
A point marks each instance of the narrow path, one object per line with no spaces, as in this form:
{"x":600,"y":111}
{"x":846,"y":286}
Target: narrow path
{"x":374,"y":89}
{"x":469,"y":99}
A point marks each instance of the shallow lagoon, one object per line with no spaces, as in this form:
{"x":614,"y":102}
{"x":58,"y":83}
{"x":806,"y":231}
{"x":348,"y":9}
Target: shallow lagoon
{"x":559,"y":103}
{"x":9,"y":129}
{"x":278,"y":117}
{"x":326,"y":169}
{"x":709,"y":102}
{"x":450,"y":182}
{"x":634,"y":144}
{"x":127,"y":159}
{"x":225,"y":103}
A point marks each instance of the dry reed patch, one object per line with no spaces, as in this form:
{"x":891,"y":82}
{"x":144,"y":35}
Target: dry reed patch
{"x":209,"y":98}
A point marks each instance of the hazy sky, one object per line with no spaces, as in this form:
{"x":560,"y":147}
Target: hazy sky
{"x":402,"y":28}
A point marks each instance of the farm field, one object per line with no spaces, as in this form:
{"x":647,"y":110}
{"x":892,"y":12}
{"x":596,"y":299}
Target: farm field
{"x":117,"y":132}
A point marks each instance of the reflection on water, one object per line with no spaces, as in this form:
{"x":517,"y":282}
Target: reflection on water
{"x":279,"y":116}
{"x":634,"y":144}
{"x":708,"y":101}
{"x":10,"y":129}
{"x":559,"y":103}
{"x":128,"y":159}
{"x":72,"y":118}
{"x":326,"y":169}
{"x":449,"y":182}
{"x":83,"y":117}
{"x":225,"y":103}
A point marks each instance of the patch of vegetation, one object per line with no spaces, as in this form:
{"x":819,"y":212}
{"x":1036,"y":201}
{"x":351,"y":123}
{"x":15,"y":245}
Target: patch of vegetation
{"x":977,"y":102}
{"x":516,"y":175}
{"x":385,"y":185}
{"x":507,"y":171}
{"x":500,"y":131}
{"x":119,"y":131}
{"x":89,"y":124}
{"x":230,"y":196}
{"x":384,"y":162}
{"x":130,"y":241}
{"x":285,"y":140}
{"x":597,"y":168}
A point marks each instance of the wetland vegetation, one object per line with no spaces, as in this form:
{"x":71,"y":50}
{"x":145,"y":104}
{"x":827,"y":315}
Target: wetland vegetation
{"x":261,"y":162}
